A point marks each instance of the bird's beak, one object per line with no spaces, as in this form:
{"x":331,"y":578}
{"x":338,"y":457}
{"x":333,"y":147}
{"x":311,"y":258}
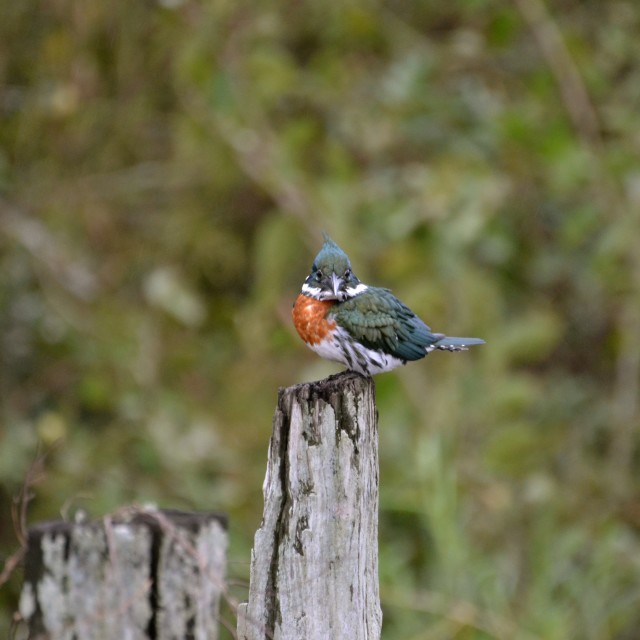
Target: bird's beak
{"x":337,"y":283}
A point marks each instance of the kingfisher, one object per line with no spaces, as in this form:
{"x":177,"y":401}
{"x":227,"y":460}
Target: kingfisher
{"x":365,"y":328}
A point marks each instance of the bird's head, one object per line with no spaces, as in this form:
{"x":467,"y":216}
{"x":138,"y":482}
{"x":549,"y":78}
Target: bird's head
{"x":331,"y":277}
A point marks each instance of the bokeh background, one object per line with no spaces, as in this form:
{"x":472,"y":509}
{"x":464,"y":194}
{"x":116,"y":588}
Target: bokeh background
{"x":166,"y":170}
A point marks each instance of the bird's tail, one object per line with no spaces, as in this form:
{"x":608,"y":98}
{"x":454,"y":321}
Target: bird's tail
{"x":447,"y":343}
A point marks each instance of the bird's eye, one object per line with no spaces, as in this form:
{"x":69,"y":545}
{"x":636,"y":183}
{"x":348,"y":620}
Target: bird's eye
{"x":347,"y":274}
{"x":319,"y":274}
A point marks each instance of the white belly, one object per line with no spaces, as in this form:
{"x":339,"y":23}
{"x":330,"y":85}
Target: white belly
{"x":340,"y":347}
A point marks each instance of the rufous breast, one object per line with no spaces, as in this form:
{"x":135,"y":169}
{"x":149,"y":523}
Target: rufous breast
{"x":309,"y":318}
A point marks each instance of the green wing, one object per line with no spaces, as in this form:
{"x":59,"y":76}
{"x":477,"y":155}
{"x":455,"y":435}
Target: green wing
{"x":378,"y":320}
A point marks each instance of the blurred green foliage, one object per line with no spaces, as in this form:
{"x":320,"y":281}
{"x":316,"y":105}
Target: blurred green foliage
{"x":165,"y":171}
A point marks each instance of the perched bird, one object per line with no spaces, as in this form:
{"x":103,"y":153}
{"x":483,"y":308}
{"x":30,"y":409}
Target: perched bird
{"x":365,"y":328}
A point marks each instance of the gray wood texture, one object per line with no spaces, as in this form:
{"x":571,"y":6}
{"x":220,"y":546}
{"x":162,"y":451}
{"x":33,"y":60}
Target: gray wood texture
{"x":314,"y":564}
{"x":146,"y":574}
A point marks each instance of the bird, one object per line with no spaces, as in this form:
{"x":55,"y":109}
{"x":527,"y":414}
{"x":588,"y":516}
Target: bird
{"x":365,"y":328}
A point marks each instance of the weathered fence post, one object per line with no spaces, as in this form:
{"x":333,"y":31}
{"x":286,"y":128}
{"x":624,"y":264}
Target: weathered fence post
{"x":135,"y":575}
{"x":314,"y":565}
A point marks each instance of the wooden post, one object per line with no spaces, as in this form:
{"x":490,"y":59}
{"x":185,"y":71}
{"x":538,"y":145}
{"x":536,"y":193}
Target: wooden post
{"x":314,"y":565}
{"x":135,"y":575}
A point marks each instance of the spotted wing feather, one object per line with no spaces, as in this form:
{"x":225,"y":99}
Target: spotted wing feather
{"x":378,"y":320}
